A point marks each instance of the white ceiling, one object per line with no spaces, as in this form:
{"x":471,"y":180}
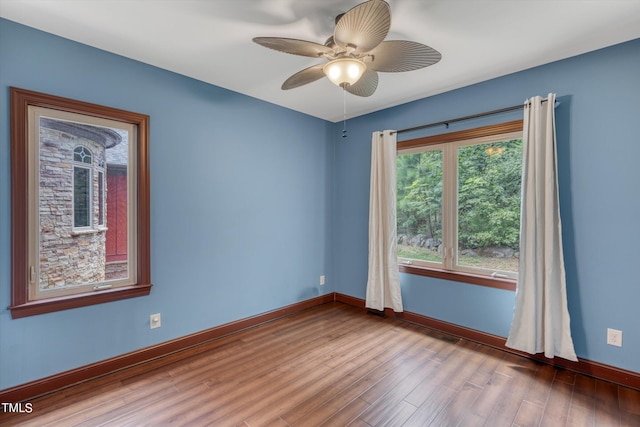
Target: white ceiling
{"x":210,"y":40}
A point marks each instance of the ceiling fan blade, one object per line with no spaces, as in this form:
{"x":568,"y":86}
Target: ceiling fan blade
{"x":301,"y":78}
{"x":366,"y":85}
{"x":294,"y":46}
{"x":402,"y":55}
{"x":363,"y":27}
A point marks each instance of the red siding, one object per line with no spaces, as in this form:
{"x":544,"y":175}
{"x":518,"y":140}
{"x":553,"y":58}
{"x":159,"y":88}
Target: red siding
{"x":116,"y":240}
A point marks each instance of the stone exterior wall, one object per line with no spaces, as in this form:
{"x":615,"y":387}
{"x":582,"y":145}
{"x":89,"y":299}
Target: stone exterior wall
{"x":68,"y":257}
{"x":116,"y":270}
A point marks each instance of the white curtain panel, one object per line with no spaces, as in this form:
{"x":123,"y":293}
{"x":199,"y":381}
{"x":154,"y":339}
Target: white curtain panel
{"x":383,"y":284}
{"x":541,"y":318}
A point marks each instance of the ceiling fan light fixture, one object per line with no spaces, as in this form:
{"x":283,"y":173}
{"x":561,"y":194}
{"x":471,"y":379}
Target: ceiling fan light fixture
{"x":357,"y":51}
{"x":344,"y":71}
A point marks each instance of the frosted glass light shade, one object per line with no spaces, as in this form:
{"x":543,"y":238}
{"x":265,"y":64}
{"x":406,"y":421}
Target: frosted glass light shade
{"x":344,"y":71}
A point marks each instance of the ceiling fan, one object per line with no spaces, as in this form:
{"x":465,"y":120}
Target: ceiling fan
{"x":356,"y":52}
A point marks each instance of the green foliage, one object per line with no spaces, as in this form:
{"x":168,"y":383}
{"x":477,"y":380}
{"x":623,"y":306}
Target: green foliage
{"x":489,"y":178}
{"x":419,"y":178}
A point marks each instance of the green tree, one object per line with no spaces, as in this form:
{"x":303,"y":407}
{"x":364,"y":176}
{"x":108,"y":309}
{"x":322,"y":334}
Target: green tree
{"x":419,"y":193}
{"x":489,"y":178}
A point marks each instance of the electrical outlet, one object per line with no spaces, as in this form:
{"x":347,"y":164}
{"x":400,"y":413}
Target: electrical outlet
{"x":614,"y":337}
{"x":154,"y":321}
{"x":322,"y":280}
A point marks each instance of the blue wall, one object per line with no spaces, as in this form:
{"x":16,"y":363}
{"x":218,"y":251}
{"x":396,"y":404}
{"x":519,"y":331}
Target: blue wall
{"x":240,"y":205}
{"x":599,"y":179}
{"x":251,"y":202}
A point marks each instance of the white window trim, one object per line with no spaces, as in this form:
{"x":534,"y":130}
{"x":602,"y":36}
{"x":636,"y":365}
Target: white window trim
{"x":35,"y":293}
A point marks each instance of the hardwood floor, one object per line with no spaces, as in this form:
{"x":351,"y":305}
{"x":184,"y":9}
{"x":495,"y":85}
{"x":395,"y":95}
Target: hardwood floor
{"x":335,"y":365}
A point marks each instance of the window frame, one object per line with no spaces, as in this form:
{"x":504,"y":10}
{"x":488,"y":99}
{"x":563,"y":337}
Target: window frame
{"x":21,"y":240}
{"x":447,"y":140}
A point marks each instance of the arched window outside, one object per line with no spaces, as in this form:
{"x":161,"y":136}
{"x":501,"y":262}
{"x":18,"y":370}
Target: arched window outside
{"x":82,"y":155}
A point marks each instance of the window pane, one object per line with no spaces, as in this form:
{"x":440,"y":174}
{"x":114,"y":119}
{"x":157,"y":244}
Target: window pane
{"x":117,"y":243}
{"x":74,"y":208}
{"x":82,"y":155}
{"x":81,"y":197}
{"x":419,"y":205}
{"x":489,"y":178}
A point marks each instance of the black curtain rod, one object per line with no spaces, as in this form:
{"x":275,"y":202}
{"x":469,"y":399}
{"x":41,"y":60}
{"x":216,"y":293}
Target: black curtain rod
{"x":459,"y":119}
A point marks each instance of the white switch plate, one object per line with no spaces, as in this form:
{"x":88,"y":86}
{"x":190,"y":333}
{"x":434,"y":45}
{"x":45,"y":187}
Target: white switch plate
{"x":614,"y":337}
{"x":154,"y":321}
{"x":322,"y":280}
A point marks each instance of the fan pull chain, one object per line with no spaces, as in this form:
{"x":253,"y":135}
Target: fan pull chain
{"x":344,"y":113}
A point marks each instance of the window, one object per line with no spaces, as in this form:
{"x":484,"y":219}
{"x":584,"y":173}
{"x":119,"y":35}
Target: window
{"x":458,"y":205}
{"x":81,"y":184}
{"x":61,"y":154}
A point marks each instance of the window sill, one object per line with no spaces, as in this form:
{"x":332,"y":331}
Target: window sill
{"x":457,"y":276}
{"x":50,"y":305}
{"x":81,"y":232}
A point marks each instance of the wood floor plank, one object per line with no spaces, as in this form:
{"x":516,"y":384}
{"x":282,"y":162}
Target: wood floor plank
{"x":486,"y":370}
{"x":540,"y":388}
{"x":582,"y":409}
{"x":139,"y":399}
{"x":391,"y":415}
{"x":565,"y":376}
{"x":400,"y":374}
{"x":281,"y":385}
{"x":159,"y":413}
{"x":370,"y":362}
{"x":453,"y":413}
{"x":607,"y":406}
{"x":431,"y":407}
{"x":454,"y":371}
{"x":234,"y":397}
{"x":346,"y":414}
{"x":254,"y":362}
{"x":385,"y":409}
{"x":629,"y":400}
{"x":494,"y":391}
{"x":358,"y":423}
{"x":628,"y":419}
{"x":529,"y":415}
{"x":330,"y":400}
{"x":521,"y":373}
{"x":278,"y":422}
{"x":352,"y":357}
{"x":557,"y":409}
{"x":353,"y":392}
{"x":336,"y":365}
{"x":235,"y":405}
{"x":293,"y":391}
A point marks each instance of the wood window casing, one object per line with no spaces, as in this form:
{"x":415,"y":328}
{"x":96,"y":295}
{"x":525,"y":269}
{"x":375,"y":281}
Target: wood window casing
{"x":21,"y":304}
{"x":455,"y":275}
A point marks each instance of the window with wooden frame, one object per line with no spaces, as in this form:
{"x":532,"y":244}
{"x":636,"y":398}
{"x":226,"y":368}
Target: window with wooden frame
{"x":61,"y":150}
{"x":458,"y":205}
